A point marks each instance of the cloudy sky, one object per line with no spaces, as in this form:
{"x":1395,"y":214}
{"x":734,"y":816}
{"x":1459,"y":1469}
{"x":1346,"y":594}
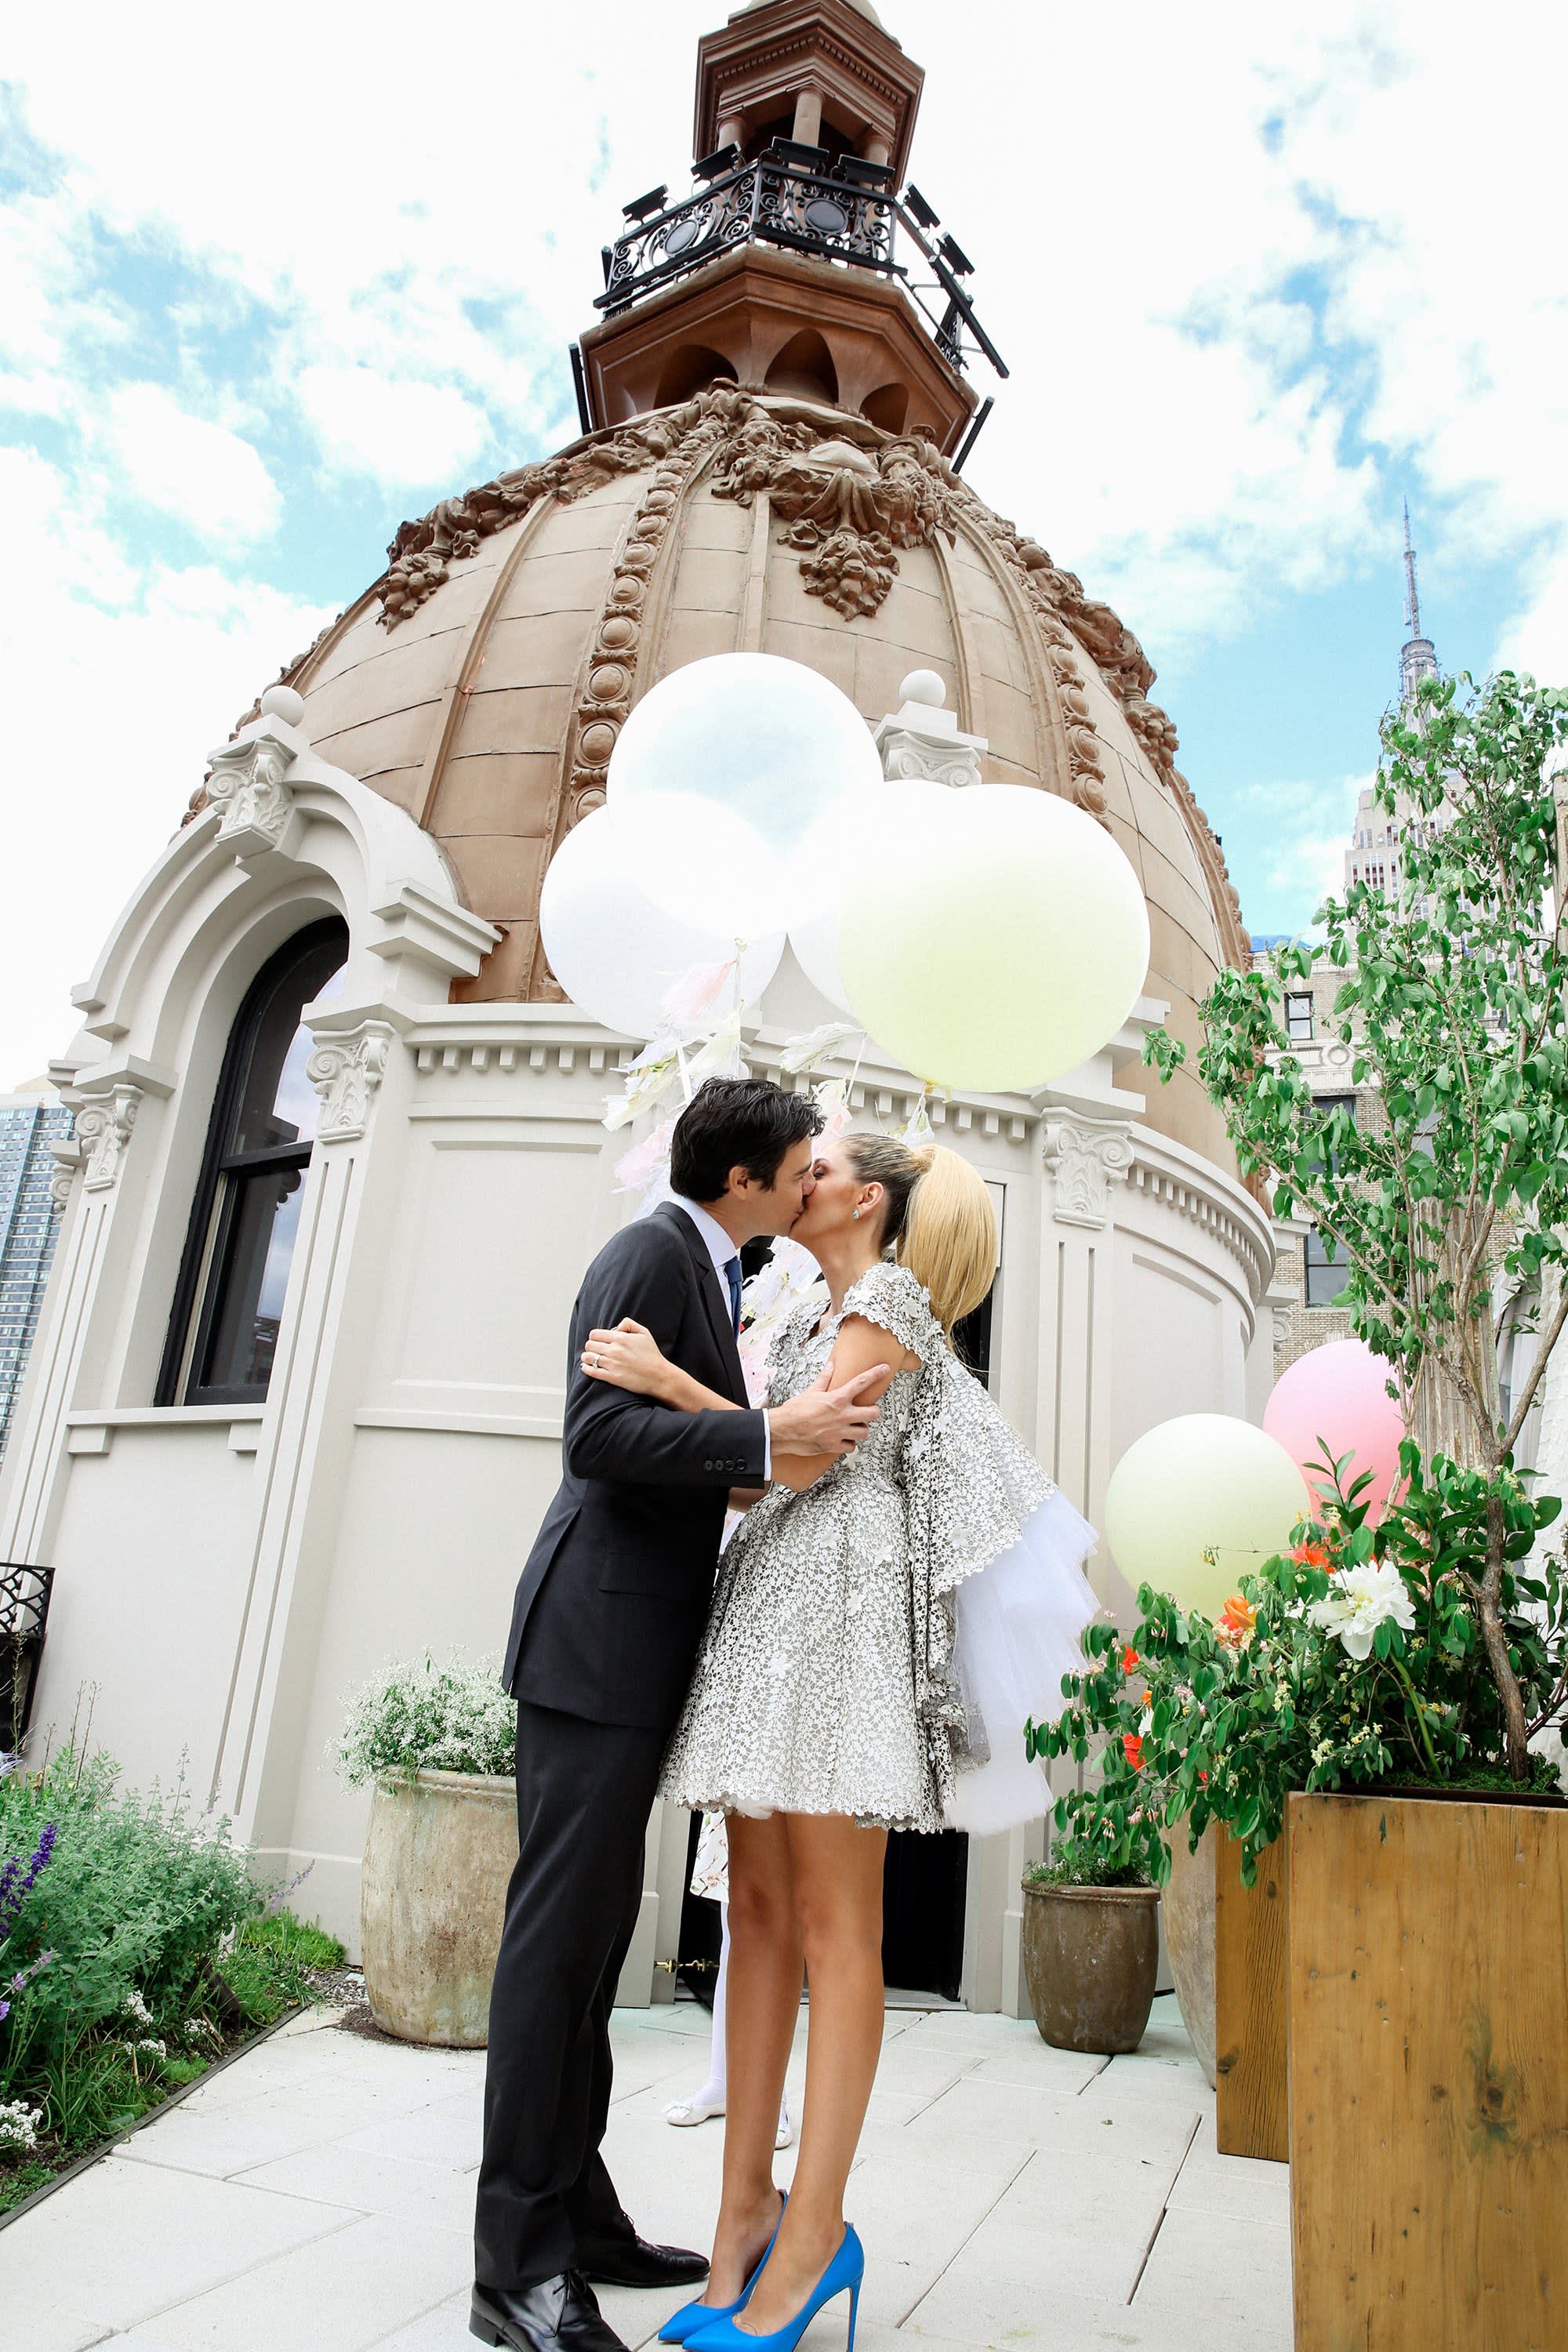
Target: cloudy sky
{"x":271,"y":280}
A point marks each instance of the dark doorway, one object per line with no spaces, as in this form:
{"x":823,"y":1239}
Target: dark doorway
{"x":697,"y":1967}
{"x":922,"y":1912}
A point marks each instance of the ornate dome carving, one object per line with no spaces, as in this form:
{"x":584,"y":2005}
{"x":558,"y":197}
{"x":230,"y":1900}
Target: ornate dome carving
{"x":482,"y":682}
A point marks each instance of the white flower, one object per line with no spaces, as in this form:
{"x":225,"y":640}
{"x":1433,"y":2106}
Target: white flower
{"x":202,"y":2029}
{"x":18,"y":2127}
{"x":1359,"y":1600}
{"x":134,"y":2010}
{"x":1549,"y":1743}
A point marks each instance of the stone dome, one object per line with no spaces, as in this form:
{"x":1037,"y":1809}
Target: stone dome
{"x":481,"y":681}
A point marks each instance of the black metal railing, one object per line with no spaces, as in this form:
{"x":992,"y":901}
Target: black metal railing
{"x":844,"y":212}
{"x":24,"y":1613}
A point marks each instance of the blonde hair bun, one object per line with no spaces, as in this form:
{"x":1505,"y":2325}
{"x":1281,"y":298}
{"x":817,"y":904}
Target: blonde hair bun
{"x":940,"y":1219}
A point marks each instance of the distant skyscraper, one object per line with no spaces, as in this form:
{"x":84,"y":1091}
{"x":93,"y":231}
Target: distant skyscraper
{"x":1374,"y":854}
{"x":29,"y":1123}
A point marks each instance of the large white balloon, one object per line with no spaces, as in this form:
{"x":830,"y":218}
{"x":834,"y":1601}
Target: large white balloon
{"x":997,"y":939}
{"x":614,"y":950}
{"x":826,"y":861}
{"x":702,"y":864}
{"x":1201,"y":1483}
{"x":773,"y":741}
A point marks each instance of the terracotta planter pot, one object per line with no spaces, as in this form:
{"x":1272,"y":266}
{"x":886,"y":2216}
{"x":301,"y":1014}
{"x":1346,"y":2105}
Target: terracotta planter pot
{"x":1090,"y":1954}
{"x":1189,"y":1908}
{"x":1428,"y":2071}
{"x":437,"y":1855}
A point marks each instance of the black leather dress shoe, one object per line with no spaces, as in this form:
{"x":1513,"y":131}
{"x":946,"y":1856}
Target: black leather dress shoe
{"x":557,"y":2314}
{"x":620,"y":2258}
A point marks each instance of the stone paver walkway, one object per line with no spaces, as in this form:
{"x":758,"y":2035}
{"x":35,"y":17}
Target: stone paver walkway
{"x":317,"y":2197}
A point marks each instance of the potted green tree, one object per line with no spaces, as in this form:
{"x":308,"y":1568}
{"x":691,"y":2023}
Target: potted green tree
{"x":1397,"y":1678}
{"x":1091,"y":1938}
{"x":436,"y":1742}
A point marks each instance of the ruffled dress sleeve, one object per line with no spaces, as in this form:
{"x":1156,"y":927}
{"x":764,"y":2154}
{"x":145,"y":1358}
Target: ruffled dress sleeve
{"x":999,"y":1597}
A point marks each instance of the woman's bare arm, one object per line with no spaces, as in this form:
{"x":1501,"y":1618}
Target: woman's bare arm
{"x":862,"y":1348}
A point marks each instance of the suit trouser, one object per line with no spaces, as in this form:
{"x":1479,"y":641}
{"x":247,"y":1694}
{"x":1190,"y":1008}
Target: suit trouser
{"x":584,"y":1794}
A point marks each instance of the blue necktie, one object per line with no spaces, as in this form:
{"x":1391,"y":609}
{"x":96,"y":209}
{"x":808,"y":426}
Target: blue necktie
{"x":732,"y":1277}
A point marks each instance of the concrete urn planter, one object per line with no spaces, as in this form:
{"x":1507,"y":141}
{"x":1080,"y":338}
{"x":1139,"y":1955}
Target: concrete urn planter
{"x":1091,"y":1957}
{"x":438,"y":1853}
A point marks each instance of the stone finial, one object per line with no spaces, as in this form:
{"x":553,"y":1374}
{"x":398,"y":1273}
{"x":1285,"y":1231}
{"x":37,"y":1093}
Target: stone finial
{"x":921,"y":740}
{"x":283,"y":702}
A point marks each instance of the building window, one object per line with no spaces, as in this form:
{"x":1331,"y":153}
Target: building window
{"x":1298,"y":1019}
{"x":1326,"y":1277}
{"x":229,"y":1297}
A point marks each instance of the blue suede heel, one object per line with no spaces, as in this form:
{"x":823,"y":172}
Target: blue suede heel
{"x":682,"y":2325}
{"x":842,"y":2277}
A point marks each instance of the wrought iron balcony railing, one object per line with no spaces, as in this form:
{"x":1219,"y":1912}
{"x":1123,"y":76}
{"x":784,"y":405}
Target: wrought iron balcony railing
{"x":24,"y":1613}
{"x":839,"y":213}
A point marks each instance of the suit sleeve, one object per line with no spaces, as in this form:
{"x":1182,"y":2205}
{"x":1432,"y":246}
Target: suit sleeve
{"x":608,"y":1433}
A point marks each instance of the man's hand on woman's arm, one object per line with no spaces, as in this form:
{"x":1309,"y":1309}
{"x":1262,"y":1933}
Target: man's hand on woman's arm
{"x":824,"y":1420}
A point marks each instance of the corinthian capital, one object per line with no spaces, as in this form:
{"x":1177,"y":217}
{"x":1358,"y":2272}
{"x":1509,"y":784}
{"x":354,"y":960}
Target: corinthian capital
{"x":1083,"y":1159}
{"x":248,"y":788}
{"x":346,"y":1072}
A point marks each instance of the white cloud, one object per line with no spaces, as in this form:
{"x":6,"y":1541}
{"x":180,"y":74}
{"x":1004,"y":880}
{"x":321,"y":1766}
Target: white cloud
{"x":123,"y":681}
{"x":1307,"y":824}
{"x":392,"y":429}
{"x":209,"y":478}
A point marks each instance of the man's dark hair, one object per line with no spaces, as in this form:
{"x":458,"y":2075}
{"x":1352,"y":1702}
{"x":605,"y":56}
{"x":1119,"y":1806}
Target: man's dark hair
{"x":746,"y":1123}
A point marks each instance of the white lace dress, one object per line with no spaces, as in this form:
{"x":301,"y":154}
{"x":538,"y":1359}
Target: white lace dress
{"x":856,"y":1660}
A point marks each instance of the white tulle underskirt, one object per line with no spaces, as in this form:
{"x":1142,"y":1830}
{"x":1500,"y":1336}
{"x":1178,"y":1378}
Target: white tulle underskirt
{"x":1019,"y":1627}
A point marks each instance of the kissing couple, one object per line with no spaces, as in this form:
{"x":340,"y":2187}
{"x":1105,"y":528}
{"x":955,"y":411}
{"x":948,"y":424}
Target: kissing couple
{"x":904,"y":1587}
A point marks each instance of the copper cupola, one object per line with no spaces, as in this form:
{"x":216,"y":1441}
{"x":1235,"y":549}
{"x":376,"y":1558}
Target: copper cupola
{"x":800,"y":261}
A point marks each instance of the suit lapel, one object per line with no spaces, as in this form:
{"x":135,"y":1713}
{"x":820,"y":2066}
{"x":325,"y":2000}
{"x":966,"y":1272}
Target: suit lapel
{"x":711,"y":1290}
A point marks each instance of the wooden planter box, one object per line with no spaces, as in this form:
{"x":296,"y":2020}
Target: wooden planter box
{"x":1252,"y":2003}
{"x":1429,"y":2073}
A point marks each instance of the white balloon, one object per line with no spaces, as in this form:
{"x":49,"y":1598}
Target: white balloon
{"x":616,"y":952}
{"x":826,"y":859}
{"x":998,"y":939}
{"x":700,"y":862}
{"x":771,"y":739}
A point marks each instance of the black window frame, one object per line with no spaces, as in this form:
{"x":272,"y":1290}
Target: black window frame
{"x":200,"y":1287}
{"x":1300,"y":996}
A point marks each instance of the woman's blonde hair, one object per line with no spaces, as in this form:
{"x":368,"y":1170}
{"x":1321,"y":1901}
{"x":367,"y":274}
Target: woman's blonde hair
{"x":938,"y":1219}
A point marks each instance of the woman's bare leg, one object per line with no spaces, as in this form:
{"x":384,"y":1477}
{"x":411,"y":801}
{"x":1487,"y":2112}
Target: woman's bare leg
{"x":761,"y":2005}
{"x":836,"y":1870}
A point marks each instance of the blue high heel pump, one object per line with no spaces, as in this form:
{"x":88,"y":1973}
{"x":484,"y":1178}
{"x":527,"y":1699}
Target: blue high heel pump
{"x":682,"y":2325}
{"x":842,"y":2275}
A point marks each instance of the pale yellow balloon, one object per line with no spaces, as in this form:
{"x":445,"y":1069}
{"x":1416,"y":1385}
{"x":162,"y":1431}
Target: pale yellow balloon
{"x":996,"y":940}
{"x":1202,"y":1482}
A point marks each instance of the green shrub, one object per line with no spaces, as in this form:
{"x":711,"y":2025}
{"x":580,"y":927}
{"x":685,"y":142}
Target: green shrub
{"x":419,"y":1717}
{"x":139,"y":1893}
{"x":137,"y":1952}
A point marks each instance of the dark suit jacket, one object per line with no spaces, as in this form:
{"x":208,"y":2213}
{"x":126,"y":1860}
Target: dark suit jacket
{"x":612,"y":1602}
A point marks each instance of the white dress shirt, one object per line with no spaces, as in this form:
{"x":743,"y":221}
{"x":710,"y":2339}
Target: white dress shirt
{"x":722,"y":1249}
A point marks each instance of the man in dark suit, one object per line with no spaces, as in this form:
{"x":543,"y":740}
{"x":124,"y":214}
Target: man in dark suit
{"x":609,"y":1612}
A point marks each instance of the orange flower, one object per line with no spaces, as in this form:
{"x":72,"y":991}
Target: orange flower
{"x":1132,"y":1749}
{"x":1237,"y":1623}
{"x":1129,"y":1659}
{"x":1313,"y":1555}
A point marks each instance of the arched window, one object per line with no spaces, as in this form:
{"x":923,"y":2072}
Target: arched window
{"x":230,"y":1296}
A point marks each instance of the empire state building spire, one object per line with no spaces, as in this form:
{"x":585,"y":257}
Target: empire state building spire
{"x":1418,"y":656}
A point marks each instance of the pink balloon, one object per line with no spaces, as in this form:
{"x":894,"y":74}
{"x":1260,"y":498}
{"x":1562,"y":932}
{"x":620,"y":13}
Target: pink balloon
{"x":1336,"y":1399}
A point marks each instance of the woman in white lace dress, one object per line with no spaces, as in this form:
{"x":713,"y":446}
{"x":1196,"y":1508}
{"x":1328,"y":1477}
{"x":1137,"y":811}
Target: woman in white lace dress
{"x":881,"y":1627}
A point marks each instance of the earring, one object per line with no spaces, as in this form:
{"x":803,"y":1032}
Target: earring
{"x":855,"y":1213}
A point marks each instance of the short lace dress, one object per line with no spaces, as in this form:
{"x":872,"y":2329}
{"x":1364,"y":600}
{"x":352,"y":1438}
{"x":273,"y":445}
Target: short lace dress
{"x":844,"y":1670}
